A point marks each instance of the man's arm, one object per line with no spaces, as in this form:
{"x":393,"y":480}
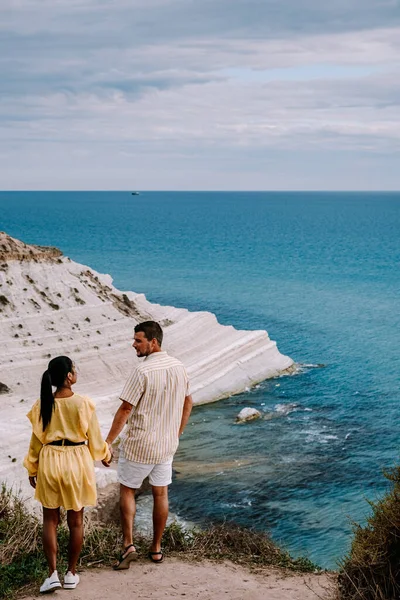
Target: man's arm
{"x":187,"y":409}
{"x":120,"y":419}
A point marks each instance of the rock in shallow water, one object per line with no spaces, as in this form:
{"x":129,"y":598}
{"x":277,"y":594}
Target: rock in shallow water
{"x":248,"y":414}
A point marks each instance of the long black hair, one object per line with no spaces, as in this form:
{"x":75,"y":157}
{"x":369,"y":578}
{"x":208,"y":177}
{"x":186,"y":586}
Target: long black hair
{"x":57,"y":371}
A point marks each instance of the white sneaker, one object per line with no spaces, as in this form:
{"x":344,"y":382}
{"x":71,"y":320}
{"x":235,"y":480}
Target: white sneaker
{"x":50,"y":584}
{"x":70,"y":581}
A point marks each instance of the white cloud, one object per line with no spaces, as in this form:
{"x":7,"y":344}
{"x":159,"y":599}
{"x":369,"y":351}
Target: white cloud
{"x":95,"y":82}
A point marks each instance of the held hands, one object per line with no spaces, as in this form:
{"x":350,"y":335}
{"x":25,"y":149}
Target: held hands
{"x":32,"y":481}
{"x":104,"y":462}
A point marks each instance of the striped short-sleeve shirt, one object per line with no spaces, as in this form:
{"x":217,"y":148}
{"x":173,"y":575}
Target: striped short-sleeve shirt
{"x":156,"y":388}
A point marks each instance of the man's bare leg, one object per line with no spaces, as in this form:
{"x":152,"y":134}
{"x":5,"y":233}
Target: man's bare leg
{"x":127,"y":506}
{"x":160,"y":516}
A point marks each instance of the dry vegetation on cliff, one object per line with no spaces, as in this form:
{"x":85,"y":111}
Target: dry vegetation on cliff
{"x":371,"y":571}
{"x":22,"y":562}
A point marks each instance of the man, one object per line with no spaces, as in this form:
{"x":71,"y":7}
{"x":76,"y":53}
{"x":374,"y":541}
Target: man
{"x":156,"y":403}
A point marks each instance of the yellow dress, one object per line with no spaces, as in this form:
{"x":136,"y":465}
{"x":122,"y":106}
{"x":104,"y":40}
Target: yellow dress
{"x":65,"y":474}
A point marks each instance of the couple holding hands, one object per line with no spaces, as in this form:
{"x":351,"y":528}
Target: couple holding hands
{"x":66,"y":439}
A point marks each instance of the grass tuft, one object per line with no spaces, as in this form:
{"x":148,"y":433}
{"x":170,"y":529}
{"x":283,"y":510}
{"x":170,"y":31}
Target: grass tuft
{"x":228,"y":541}
{"x":371,"y":571}
{"x":21,"y":556}
{"x":4,"y":389}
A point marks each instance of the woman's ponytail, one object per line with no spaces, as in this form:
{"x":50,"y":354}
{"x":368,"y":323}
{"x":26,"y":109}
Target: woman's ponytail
{"x":55,"y":375}
{"x":46,"y":399}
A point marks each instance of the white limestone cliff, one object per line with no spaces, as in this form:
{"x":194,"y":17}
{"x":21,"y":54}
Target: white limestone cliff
{"x":50,"y":305}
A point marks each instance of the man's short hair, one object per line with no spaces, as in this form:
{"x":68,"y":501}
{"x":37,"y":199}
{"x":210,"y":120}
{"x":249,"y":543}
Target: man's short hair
{"x":151,"y":330}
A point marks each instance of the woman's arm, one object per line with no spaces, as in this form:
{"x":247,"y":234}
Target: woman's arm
{"x":99,"y":449}
{"x":31,"y":461}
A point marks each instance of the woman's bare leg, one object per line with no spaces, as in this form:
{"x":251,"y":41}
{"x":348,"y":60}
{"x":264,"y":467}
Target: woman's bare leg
{"x":75,"y":524}
{"x":51,"y":520}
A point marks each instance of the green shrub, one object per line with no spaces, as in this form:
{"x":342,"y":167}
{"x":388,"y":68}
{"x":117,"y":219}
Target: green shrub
{"x":371,"y":571}
{"x":21,"y":556}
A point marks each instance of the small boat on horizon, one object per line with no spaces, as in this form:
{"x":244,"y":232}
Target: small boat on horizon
{"x":135,"y":193}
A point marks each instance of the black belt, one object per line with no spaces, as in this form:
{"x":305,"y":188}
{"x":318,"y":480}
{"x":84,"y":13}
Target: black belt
{"x":65,"y":443}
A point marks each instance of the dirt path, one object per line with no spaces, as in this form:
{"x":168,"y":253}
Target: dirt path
{"x":189,"y":581}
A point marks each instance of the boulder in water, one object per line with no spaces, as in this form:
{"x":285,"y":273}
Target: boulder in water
{"x":248,"y":414}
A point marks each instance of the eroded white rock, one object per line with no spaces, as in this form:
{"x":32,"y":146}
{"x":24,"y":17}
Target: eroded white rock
{"x":105,"y":476}
{"x":248,"y":414}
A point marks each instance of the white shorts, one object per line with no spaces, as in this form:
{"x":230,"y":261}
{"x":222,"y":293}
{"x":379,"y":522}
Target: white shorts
{"x":132,"y":474}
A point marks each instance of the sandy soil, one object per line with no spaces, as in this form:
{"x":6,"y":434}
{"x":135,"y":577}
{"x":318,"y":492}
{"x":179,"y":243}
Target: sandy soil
{"x":205,"y":581}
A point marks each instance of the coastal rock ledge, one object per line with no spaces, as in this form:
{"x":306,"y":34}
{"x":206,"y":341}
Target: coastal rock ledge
{"x":50,"y":305}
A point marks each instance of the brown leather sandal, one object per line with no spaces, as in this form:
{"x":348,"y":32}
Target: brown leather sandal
{"x":154,"y":560}
{"x":125,"y":560}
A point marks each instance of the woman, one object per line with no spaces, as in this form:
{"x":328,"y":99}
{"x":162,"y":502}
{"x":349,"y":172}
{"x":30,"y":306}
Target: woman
{"x":65,"y":440}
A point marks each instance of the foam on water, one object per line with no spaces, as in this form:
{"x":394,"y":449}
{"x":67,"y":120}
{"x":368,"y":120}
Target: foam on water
{"x":286,"y":409}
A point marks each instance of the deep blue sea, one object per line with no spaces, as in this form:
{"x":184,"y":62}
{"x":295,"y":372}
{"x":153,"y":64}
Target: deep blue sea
{"x":319,"y":272}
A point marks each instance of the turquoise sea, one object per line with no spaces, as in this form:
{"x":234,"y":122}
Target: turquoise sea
{"x":320,"y":272}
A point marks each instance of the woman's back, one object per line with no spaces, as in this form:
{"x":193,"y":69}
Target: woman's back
{"x":65,"y":440}
{"x":70,"y":420}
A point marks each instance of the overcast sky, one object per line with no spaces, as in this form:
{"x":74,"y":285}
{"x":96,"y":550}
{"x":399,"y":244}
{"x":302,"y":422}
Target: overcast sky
{"x":200,"y":94}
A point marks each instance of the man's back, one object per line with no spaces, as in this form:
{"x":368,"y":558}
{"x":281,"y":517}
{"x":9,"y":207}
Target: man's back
{"x":156,"y":406}
{"x":157,"y":389}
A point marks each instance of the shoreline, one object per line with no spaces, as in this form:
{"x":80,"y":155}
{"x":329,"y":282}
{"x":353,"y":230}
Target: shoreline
{"x":51,"y":305}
